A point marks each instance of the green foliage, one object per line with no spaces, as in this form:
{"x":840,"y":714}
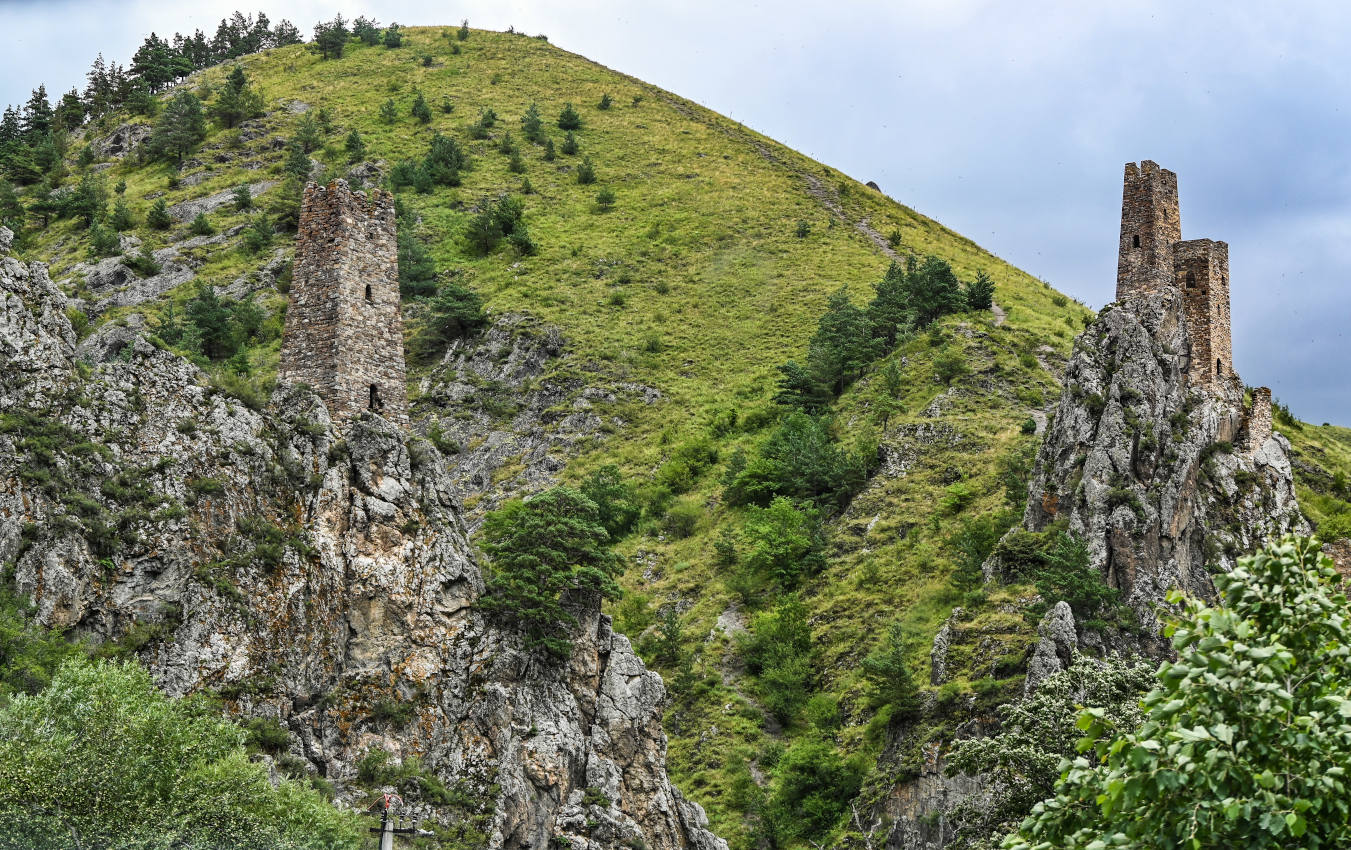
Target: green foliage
{"x":237,"y":100}
{"x":802,"y":460}
{"x":1036,"y":734}
{"x":331,"y":37}
{"x":29,"y":653}
{"x":463,"y":32}
{"x":949,"y":365}
{"x":103,"y":241}
{"x":393,"y":36}
{"x":1058,"y":563}
{"x":201,"y":225}
{"x":355,"y":147}
{"x":586,"y":172}
{"x":803,"y":229}
{"x":605,"y":101}
{"x":257,"y":234}
{"x":389,"y":113}
{"x":497,"y":220}
{"x":617,"y":507}
{"x":366,"y":29}
{"x":980,"y":292}
{"x":421,"y":111}
{"x":568,"y":119}
{"x":298,"y":162}
{"x":605,"y":199}
{"x":974,"y":541}
{"x":549,"y":555}
{"x":142,"y":262}
{"x":417,"y":270}
{"x":158,"y":217}
{"x":121,"y":218}
{"x":569,"y":144}
{"x":532,"y":126}
{"x":180,"y":128}
{"x":778,"y":651}
{"x":307,"y":134}
{"x":784,"y":541}
{"x":105,"y":741}
{"x":889,"y":677}
{"x":243,"y":198}
{"x":454,"y":312}
{"x":814,"y":786}
{"x":1245,"y":737}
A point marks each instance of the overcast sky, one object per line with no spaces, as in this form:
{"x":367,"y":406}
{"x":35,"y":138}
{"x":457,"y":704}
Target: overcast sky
{"x":1007,"y":121}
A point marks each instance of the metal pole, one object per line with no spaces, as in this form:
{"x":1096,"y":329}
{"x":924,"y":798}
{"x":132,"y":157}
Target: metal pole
{"x":386,"y":831}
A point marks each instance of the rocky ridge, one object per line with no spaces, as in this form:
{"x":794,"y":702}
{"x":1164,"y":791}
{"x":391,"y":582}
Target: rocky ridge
{"x":320,"y":578}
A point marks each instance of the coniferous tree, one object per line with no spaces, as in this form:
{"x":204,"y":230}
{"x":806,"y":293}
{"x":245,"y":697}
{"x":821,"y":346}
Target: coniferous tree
{"x":568,"y":119}
{"x":417,"y":271}
{"x":463,"y":33}
{"x":586,"y":172}
{"x":980,"y":292}
{"x":243,"y":198}
{"x":158,"y":217}
{"x":298,"y":163}
{"x":356,"y":148}
{"x":37,"y":114}
{"x":393,"y":36}
{"x":389,"y":113}
{"x":121,"y":218}
{"x":421,"y":111}
{"x":445,"y":160}
{"x":331,"y":37}
{"x":71,"y":111}
{"x":368,"y":30}
{"x":549,"y":154}
{"x":201,"y":225}
{"x":12,"y":212}
{"x":180,"y":129}
{"x":446,"y":106}
{"x":307,"y":134}
{"x":532,"y":127}
{"x":285,"y":33}
{"x":324,"y":119}
{"x":605,"y":101}
{"x":238,"y":101}
{"x":569,"y":144}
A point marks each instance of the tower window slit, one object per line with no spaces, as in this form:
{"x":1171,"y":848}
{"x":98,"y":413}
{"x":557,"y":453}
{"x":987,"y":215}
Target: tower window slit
{"x":1135,"y":241}
{"x":375,"y":397}
{"x":368,"y":293}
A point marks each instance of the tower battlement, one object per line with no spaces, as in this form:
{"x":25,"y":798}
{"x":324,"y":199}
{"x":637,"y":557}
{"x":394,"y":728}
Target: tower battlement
{"x":1153,"y":257}
{"x":344,"y":331}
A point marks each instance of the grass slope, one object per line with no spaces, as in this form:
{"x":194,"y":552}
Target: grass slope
{"x":696,"y":283}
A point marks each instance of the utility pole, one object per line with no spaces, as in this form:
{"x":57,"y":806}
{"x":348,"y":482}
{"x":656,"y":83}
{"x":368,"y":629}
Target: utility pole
{"x":389,"y":827}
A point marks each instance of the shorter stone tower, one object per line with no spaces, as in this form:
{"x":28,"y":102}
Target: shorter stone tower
{"x":1201,"y":273}
{"x":1150,"y":224}
{"x":344,"y":333}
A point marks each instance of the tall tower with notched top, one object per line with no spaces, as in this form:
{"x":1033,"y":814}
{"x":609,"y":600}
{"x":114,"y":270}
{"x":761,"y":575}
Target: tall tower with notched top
{"x":344,"y":332}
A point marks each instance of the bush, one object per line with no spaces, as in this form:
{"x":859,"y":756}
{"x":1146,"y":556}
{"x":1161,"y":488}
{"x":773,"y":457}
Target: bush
{"x":681,"y":519}
{"x":389,"y":113}
{"x":784,"y":542}
{"x":421,"y":111}
{"x":393,"y":36}
{"x":257,"y":234}
{"x":1256,"y":696}
{"x":548,"y":556}
{"x":605,"y":199}
{"x":569,"y":145}
{"x":950,"y":365}
{"x":802,"y":460}
{"x":889,"y":677}
{"x":103,"y":241}
{"x":586,"y":173}
{"x":1058,"y":563}
{"x":201,"y":225}
{"x":815,"y":785}
{"x":778,"y":651}
{"x":568,"y":119}
{"x":980,"y":293}
{"x":497,"y":220}
{"x":605,"y":101}
{"x":107,"y":742}
{"x":143,"y":263}
{"x":803,"y":229}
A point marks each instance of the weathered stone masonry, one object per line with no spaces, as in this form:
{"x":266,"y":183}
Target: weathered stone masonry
{"x":1152,"y":255}
{"x":344,"y":333}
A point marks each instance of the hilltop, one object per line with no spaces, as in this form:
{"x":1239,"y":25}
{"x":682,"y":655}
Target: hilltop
{"x":642,"y":325}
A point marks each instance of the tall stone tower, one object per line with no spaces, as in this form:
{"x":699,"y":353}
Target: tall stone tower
{"x":344,"y":333}
{"x":1150,"y":224}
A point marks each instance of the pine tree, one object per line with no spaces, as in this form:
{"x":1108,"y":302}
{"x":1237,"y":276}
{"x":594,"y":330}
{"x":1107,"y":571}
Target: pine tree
{"x":605,"y":101}
{"x":532,"y":127}
{"x":368,"y":30}
{"x":121,"y":218}
{"x":980,"y":292}
{"x":393,"y":36}
{"x":568,"y":119}
{"x":356,"y":148}
{"x":585,"y":172}
{"x":201,"y":225}
{"x":298,"y":162}
{"x":12,"y":213}
{"x":307,"y":134}
{"x":446,"y":106}
{"x":549,"y":155}
{"x":389,"y":113}
{"x":569,"y":144}
{"x":243,"y":198}
{"x":238,"y":101}
{"x":605,"y":199}
{"x":158,"y":217}
{"x":180,"y":129}
{"x":331,"y":37}
{"x":421,"y":111}
{"x":417,"y":272}
{"x":463,"y":33}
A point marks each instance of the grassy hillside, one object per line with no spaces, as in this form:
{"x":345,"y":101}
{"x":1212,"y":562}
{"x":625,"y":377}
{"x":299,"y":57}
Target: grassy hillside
{"x":711,"y":269}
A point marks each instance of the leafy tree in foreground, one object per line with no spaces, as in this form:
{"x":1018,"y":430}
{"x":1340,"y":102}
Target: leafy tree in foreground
{"x":101,"y":743}
{"x":1246,"y":738}
{"x":550,"y":556}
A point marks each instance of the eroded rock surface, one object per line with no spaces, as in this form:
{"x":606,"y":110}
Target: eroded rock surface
{"x":317,"y":576}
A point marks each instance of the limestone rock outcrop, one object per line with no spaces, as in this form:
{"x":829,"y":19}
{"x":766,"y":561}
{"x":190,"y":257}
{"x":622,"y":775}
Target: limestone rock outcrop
{"x":1166,"y":480}
{"x":245,"y":547}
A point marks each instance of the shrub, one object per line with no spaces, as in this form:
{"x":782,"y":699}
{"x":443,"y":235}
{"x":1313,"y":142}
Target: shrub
{"x":121,"y":218}
{"x":446,"y":106}
{"x":393,"y":36}
{"x":142,"y":262}
{"x":784,"y":542}
{"x":389,"y":113}
{"x":243,"y":198}
{"x":815,"y":785}
{"x":803,"y":229}
{"x":950,"y":365}
{"x":103,"y":241}
{"x":586,"y":173}
{"x":421,"y":111}
{"x":201,"y":225}
{"x":605,"y":101}
{"x":980,"y":293}
{"x":778,"y":652}
{"x":549,"y":554}
{"x":605,"y":199}
{"x":257,"y":234}
{"x":568,"y":119}
{"x":569,"y":144}
{"x":681,"y":519}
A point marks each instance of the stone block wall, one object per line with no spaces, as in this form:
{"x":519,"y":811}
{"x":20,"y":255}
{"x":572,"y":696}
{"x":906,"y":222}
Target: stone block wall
{"x":1259,"y":418}
{"x":1150,"y":224}
{"x":344,"y":332}
{"x":1201,"y":273}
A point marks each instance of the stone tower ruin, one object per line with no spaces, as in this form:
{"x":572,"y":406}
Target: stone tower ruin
{"x":344,"y":333}
{"x":1152,"y":256}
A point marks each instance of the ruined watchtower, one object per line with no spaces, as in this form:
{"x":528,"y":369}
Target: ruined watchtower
{"x":1152,"y":256}
{"x":344,"y":334}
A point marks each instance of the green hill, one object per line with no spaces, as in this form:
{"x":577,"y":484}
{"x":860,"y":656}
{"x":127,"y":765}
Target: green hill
{"x":710,"y":269}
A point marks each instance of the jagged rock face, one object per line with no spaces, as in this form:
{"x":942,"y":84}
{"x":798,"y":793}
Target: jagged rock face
{"x":1155,"y":474}
{"x":313,"y":576}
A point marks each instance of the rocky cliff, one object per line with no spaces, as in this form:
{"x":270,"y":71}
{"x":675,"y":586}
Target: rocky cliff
{"x":1161,"y":477}
{"x":247,"y":548}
